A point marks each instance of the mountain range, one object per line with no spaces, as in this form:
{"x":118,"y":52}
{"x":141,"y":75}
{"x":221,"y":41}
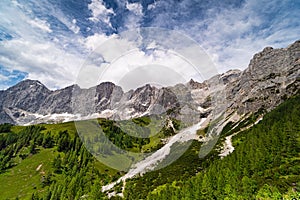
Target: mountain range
{"x":272,"y":76}
{"x":241,"y":132}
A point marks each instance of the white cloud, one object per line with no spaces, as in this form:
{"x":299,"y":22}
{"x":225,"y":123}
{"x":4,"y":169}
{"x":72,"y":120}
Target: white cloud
{"x":231,"y":35}
{"x":42,"y":24}
{"x":100,"y":12}
{"x":66,"y":21}
{"x":3,"y":78}
{"x":43,"y":61}
{"x":135,"y":68}
{"x":133,"y":19}
{"x":250,"y":39}
{"x":159,"y":63}
{"x":94,"y":41}
{"x":236,"y":34}
{"x":136,"y":8}
{"x":132,"y":22}
{"x":151,"y":6}
{"x":32,"y":50}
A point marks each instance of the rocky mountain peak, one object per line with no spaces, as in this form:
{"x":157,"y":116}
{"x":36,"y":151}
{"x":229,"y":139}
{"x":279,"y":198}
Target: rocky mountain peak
{"x":27,"y":95}
{"x":273,"y":60}
{"x":230,"y":76}
{"x":28,"y":84}
{"x":107,"y":93}
{"x":105,"y":89}
{"x":272,"y":76}
{"x":267,"y":49}
{"x":194,"y":84}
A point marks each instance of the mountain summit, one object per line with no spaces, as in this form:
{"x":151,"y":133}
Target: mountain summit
{"x":271,"y":76}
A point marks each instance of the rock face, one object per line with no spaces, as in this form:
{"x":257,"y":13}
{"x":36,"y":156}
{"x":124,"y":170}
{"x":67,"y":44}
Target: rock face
{"x":27,"y":95}
{"x":272,"y":76}
{"x":51,"y":105}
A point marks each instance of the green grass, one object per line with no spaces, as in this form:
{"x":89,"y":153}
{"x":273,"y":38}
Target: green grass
{"x":71,"y":128}
{"x":105,"y":169}
{"x":201,"y":132}
{"x":23,"y":179}
{"x":153,"y":144}
{"x":55,"y":128}
{"x":17,"y":129}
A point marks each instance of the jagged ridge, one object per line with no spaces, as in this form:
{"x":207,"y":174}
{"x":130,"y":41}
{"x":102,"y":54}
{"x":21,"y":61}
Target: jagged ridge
{"x":272,"y":76}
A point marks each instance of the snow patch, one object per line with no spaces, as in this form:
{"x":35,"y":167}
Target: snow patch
{"x":228,"y":148}
{"x":64,"y":117}
{"x":39,"y":167}
{"x":150,"y":162}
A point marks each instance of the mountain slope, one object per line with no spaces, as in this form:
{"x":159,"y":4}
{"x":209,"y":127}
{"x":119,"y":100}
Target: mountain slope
{"x":55,"y":165}
{"x":272,"y":76}
{"x":264,"y":165}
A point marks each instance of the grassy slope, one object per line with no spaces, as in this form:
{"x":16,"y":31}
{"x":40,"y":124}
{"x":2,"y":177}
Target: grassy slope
{"x":23,"y":179}
{"x":264,"y":164}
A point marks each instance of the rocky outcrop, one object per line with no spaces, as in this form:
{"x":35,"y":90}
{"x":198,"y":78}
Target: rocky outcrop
{"x":272,"y":76}
{"x":27,"y":95}
{"x":52,"y":105}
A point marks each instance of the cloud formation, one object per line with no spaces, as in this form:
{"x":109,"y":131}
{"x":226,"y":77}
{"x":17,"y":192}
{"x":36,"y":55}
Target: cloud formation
{"x":100,"y":12}
{"x":50,"y":40}
{"x":233,"y":35}
{"x":34,"y":50}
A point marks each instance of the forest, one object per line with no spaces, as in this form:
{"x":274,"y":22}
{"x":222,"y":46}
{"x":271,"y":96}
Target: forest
{"x":49,"y":162}
{"x":264,"y":165}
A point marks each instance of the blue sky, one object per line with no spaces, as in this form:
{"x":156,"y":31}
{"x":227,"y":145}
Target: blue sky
{"x":49,"y":40}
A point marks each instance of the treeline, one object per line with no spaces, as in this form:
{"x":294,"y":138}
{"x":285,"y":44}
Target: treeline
{"x":121,"y":139}
{"x":74,"y":171}
{"x":11,"y":143}
{"x":74,"y":174}
{"x":133,"y":137}
{"x":264,"y":165}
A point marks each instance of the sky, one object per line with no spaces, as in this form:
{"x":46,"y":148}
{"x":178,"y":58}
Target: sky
{"x":53,"y":40}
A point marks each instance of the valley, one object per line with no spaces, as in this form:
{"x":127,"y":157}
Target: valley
{"x":234,"y":136}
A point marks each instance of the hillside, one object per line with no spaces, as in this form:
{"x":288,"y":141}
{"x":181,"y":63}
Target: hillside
{"x":50,"y":162}
{"x":272,"y":76}
{"x":234,"y":136}
{"x":264,"y":165}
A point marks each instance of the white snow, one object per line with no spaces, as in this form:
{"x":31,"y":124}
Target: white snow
{"x":150,"y":162}
{"x":39,"y":167}
{"x":228,"y":148}
{"x":258,"y":120}
{"x":64,"y":117}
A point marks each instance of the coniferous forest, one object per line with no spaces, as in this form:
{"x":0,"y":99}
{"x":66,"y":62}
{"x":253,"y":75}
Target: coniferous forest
{"x":149,"y":100}
{"x":50,"y":162}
